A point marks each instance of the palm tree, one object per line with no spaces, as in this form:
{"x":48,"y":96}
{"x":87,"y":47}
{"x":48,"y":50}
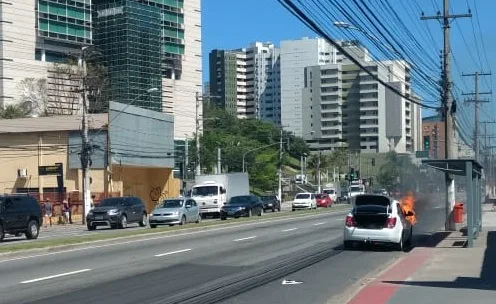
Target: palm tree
{"x":12,"y":111}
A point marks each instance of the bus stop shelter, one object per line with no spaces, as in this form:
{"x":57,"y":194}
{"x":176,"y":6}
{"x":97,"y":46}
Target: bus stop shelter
{"x":472,"y":170}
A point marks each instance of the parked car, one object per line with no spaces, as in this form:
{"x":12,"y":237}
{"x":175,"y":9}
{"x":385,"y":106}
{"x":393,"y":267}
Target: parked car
{"x":271,"y":202}
{"x":377,"y":219}
{"x":175,"y":211}
{"x":243,"y":205}
{"x":20,"y":214}
{"x":117,"y":212}
{"x":323,"y":200}
{"x":304,"y":200}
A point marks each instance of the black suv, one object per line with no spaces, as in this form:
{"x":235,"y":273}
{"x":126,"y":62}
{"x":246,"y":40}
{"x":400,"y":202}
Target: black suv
{"x":20,"y":214}
{"x":271,"y":202}
{"x":117,"y":212}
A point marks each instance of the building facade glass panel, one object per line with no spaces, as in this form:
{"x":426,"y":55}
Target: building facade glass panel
{"x":128,"y":34}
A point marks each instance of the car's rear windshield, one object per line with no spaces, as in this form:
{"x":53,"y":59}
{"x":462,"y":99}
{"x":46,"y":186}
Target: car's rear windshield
{"x":355,"y":189}
{"x":108,"y":202}
{"x":172,"y":203}
{"x":320,"y":196}
{"x":302,"y":196}
{"x":376,"y":200}
{"x":268,"y":197}
{"x":244,"y":199}
{"x":372,"y":209}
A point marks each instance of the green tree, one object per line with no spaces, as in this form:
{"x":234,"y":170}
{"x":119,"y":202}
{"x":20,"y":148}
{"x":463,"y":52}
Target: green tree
{"x":13,"y":111}
{"x":313,"y":163}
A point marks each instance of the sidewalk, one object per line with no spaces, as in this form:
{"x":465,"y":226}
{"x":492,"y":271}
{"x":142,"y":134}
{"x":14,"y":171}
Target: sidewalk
{"x":446,"y":273}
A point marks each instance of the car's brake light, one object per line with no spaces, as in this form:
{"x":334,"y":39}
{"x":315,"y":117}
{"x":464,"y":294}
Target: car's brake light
{"x":350,"y":221}
{"x":391,"y":222}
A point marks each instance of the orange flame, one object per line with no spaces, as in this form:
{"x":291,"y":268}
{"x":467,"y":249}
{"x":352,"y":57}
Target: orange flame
{"x":407,"y":204}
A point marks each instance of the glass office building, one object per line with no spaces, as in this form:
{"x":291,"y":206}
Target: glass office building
{"x":128,"y":34}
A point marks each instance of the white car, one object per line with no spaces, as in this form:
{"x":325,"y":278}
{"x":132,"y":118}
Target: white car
{"x":377,"y":219}
{"x":304,"y":201}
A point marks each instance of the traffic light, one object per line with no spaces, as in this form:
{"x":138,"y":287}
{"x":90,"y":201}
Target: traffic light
{"x":427,"y":143}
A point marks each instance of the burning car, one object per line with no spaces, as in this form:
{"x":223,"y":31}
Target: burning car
{"x":378,"y":219}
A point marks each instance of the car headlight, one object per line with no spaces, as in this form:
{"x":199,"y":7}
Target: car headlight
{"x":175,"y":213}
{"x":113,"y":212}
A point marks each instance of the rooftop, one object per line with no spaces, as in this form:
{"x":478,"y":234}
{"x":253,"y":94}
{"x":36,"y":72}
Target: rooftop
{"x":51,"y":123}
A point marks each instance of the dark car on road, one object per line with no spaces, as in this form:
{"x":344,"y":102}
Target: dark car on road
{"x":20,"y":214}
{"x":117,"y":212}
{"x":271,"y":202}
{"x":243,"y":205}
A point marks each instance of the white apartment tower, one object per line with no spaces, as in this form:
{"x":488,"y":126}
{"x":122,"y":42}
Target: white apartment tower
{"x":296,"y":55}
{"x":248,"y":81}
{"x":349,"y":107}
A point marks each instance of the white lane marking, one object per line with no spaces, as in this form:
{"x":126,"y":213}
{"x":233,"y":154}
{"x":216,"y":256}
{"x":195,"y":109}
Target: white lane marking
{"x":55,"y":276}
{"x":244,"y":239}
{"x":172,"y":252}
{"x":288,"y":218}
{"x":290,"y":229}
{"x":317,"y":224}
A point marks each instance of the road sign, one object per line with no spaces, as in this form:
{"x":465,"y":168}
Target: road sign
{"x":422,"y":154}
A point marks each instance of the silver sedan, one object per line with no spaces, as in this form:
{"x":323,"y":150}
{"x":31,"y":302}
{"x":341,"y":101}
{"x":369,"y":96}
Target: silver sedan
{"x":175,"y":211}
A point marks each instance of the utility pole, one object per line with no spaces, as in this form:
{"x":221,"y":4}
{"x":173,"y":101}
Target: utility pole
{"x":219,"y":160}
{"x":447,"y":105}
{"x":279,"y":189}
{"x":319,"y":186}
{"x":197,"y":134}
{"x":86,"y":147}
{"x":476,"y":102}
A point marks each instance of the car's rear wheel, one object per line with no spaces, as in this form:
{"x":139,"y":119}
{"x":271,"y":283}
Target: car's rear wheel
{"x":409,"y":242}
{"x":399,"y":245}
{"x":261,"y":212}
{"x":153,"y":226}
{"x":183,"y":220}
{"x":2,"y":234}
{"x":223,"y":218}
{"x":347,"y":245}
{"x":33,"y":230}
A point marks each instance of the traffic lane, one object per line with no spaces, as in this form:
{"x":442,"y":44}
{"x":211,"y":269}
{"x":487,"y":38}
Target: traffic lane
{"x":62,"y":231}
{"x":117,"y":256}
{"x":122,"y":254}
{"x":199,"y":266}
{"x":333,"y":277}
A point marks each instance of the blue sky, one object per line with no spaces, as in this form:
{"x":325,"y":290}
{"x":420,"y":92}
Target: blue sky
{"x":236,"y":23}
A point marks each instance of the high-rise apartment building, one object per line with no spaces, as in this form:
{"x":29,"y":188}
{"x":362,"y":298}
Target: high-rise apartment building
{"x":35,"y":34}
{"x":247,"y":80}
{"x":349,"y":107}
{"x":296,"y":55}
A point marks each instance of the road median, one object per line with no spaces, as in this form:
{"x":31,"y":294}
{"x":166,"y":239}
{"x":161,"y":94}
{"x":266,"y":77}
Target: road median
{"x":106,"y":239}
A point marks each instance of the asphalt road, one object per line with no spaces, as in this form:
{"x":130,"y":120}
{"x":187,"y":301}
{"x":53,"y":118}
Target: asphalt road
{"x":203,"y":267}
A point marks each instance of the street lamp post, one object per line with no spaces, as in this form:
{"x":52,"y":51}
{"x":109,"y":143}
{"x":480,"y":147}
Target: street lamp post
{"x":345,"y":25}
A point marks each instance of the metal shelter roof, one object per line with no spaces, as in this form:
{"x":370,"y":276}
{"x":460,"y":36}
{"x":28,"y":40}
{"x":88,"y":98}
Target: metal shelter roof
{"x":453,"y":166}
